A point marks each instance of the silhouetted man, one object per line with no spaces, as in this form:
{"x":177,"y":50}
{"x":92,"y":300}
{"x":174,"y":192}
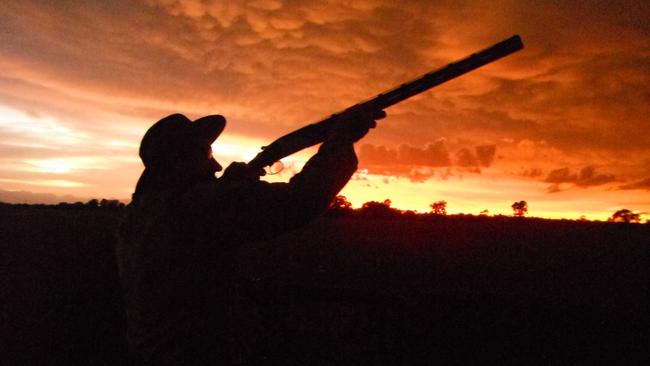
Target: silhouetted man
{"x":183,"y":227}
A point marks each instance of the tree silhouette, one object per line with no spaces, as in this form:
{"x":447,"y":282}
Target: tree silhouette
{"x":520,"y":208}
{"x":341,"y":202}
{"x":625,"y":216}
{"x":439,"y":207}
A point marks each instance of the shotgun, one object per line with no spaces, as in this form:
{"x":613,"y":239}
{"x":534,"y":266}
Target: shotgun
{"x":316,"y":133}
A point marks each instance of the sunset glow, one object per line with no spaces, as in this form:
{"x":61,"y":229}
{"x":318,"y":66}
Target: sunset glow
{"x":563,"y":124}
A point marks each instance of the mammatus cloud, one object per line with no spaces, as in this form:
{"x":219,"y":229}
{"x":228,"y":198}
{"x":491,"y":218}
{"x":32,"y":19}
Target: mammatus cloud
{"x":258,"y":59}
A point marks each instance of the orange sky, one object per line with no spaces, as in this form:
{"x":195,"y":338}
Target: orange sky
{"x":563,"y":124}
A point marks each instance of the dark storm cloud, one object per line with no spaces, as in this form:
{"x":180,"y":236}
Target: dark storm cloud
{"x":485,"y":154}
{"x":465,"y":158}
{"x":598,"y":104}
{"x":419,"y":164}
{"x":562,"y":175}
{"x":267,"y":55}
{"x":553,"y":188}
{"x":377,"y":155}
{"x":433,"y":155}
{"x":414,"y":163}
{"x":472,"y":161}
{"x":641,"y":184}
{"x":587,"y":177}
{"x":532,"y":173}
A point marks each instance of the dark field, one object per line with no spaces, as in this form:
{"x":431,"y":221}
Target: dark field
{"x":402,"y":291}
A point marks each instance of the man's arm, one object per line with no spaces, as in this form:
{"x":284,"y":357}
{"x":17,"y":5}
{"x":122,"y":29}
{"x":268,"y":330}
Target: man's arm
{"x":258,"y":210}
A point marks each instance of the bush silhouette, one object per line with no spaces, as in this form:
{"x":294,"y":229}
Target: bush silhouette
{"x":378,"y":209}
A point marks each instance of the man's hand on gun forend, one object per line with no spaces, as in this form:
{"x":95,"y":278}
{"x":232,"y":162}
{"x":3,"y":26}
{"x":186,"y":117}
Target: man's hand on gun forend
{"x":354,"y":123}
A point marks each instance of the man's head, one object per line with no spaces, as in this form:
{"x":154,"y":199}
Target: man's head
{"x":176,"y":145}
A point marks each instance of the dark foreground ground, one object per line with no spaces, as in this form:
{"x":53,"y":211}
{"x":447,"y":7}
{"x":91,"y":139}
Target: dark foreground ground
{"x":401,"y":291}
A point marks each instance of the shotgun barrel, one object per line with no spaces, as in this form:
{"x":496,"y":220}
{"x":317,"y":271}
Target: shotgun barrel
{"x":316,"y":133}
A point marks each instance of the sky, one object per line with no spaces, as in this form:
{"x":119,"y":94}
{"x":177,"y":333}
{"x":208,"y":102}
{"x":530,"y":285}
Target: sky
{"x":563,"y":124}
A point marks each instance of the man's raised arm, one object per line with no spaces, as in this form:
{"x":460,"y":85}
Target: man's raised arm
{"x":264,"y":209}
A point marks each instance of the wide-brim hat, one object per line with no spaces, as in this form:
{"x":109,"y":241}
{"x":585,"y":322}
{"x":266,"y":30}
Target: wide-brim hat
{"x":175,"y":133}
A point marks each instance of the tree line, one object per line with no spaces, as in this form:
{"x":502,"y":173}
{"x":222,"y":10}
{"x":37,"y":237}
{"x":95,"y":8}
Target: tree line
{"x":340,"y":206}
